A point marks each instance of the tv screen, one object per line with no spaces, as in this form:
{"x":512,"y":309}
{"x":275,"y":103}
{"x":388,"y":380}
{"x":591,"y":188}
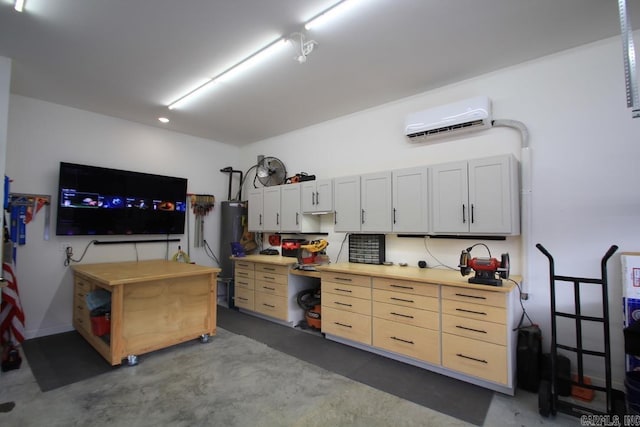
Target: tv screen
{"x":100,"y":201}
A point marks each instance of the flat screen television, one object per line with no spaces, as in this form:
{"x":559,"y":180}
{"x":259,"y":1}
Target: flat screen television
{"x":101,"y":201}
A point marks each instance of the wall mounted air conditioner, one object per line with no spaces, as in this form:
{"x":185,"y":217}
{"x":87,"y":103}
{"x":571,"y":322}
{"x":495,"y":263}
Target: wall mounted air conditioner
{"x":470,"y":115}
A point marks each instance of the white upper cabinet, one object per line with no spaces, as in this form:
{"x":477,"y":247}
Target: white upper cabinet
{"x":278,"y":209}
{"x":271,"y":209}
{"x":346,"y":191}
{"x":255,"y":208}
{"x":376,"y":202}
{"x":479,"y":196}
{"x":291,"y":217}
{"x":317,"y":196}
{"x":410,"y":200}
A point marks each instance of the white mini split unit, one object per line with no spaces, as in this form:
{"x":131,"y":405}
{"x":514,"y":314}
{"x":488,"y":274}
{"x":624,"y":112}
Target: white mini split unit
{"x":470,"y":115}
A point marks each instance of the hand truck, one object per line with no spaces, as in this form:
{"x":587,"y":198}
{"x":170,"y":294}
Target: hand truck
{"x":548,"y":402}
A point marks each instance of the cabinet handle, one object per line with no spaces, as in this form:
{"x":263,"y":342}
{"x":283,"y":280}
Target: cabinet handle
{"x":266,"y":287}
{"x":403,"y":300}
{"x":464,"y":217}
{"x":244,"y":299}
{"x":342,"y":290}
{"x":335,"y":217}
{"x":401,"y":287}
{"x":277,"y":218}
{"x":260,"y":219}
{"x":317,"y":198}
{"x":342,"y":324}
{"x":268,"y":305}
{"x":401,"y":315}
{"x":472,"y":220}
{"x":269,"y":277}
{"x":471,"y":358}
{"x":297,"y":223}
{"x":471,"y":329}
{"x":341,"y":303}
{"x":362,"y":216}
{"x":313,"y":198}
{"x":400,"y":339}
{"x":269,"y":268}
{"x":394,"y":215}
{"x":470,"y":296}
{"x":471,"y":311}
{"x":346,"y":279}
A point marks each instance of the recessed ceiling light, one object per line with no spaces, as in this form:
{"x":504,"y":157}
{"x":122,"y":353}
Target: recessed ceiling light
{"x":163,"y":119}
{"x":19,"y":5}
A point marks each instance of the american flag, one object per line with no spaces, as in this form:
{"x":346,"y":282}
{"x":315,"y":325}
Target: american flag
{"x":11,"y":314}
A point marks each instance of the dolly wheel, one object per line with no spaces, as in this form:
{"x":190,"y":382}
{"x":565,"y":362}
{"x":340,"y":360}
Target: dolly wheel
{"x":544,"y":398}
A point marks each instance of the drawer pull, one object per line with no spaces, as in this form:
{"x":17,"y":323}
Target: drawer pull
{"x":403,"y":300}
{"x":401,"y":287}
{"x":341,"y":303}
{"x":471,"y":329}
{"x":342,"y":324}
{"x":270,"y":278}
{"x":470,"y":296}
{"x":268,"y":305}
{"x":242,"y":273}
{"x":402,"y":315}
{"x":345,"y":279}
{"x":266,"y":287}
{"x":242,"y":298}
{"x":342,"y":290}
{"x":400,"y":339}
{"x":471,"y":311}
{"x":471,"y":358}
{"x":242,"y":283}
{"x":269,"y":268}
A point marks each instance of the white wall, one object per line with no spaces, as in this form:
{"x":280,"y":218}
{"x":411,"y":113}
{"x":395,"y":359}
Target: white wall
{"x":40,"y":135}
{"x":585,"y":176}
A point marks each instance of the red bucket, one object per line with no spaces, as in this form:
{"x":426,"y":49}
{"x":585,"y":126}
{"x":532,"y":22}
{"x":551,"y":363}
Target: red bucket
{"x":100,"y":325}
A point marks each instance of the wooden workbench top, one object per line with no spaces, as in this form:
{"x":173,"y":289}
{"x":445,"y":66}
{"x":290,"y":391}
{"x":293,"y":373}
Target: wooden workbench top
{"x":268,"y":259}
{"x":425,"y":275}
{"x":117,"y":273}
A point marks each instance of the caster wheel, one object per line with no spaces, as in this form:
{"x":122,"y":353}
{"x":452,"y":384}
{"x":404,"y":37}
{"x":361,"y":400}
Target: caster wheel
{"x":204,"y":338}
{"x":132,"y":360}
{"x":544,"y":398}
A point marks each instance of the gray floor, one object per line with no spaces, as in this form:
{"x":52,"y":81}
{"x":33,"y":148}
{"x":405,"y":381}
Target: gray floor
{"x":233,"y":381}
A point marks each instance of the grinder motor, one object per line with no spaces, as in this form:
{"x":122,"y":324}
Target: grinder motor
{"x":489,"y":271}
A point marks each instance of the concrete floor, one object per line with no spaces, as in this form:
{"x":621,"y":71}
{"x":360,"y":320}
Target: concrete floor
{"x":233,"y":381}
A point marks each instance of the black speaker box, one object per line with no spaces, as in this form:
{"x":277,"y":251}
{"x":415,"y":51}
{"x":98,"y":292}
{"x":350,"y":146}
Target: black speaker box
{"x":529,"y":355}
{"x":563,"y":370}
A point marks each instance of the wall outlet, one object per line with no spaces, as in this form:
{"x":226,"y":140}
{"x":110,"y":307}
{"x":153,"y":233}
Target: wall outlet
{"x":63,"y":246}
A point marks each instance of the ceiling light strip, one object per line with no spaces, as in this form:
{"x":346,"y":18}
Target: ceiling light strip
{"x":234,"y":70}
{"x":19,"y":5}
{"x":329,"y":14}
{"x":629,"y":58}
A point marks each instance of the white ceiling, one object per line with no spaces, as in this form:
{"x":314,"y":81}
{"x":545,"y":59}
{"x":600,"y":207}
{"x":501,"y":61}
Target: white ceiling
{"x":130,"y":58}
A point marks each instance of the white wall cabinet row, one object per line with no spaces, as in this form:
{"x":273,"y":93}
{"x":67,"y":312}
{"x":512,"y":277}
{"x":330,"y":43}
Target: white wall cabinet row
{"x":478,"y":196}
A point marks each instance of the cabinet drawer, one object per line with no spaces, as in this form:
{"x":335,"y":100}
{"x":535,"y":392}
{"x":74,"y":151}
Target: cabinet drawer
{"x":474,"y":311}
{"x":408,"y":315}
{"x":406,"y":300}
{"x":244,"y":283}
{"x":409,"y":340}
{"x":477,"y":358}
{"x":475,"y":329}
{"x":475,"y":296}
{"x":349,"y":279}
{"x":272,"y":269}
{"x":342,"y":302}
{"x":352,"y":326}
{"x":271,"y":288}
{"x":271,"y":305}
{"x":82,"y":285}
{"x":246,"y":265}
{"x":271,"y":278}
{"x":241,"y":273}
{"x":244,"y":298}
{"x":415,"y":288}
{"x":345,"y":289}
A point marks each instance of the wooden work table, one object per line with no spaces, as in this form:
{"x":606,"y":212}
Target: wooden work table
{"x":154,"y":304}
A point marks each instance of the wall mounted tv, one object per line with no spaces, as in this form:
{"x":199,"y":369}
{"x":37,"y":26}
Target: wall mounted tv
{"x":100,"y":201}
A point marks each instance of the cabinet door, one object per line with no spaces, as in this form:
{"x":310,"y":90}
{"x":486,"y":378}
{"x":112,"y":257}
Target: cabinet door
{"x":410,"y":200}
{"x":491,"y":196}
{"x":290,"y":216}
{"x":255,"y":208}
{"x":376,"y":202}
{"x":347,"y":203}
{"x":450,"y":198}
{"x":308,"y":196}
{"x":271,"y":203}
{"x":324,"y":195}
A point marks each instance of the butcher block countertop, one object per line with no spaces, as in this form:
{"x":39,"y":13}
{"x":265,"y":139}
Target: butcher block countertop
{"x":425,"y":275}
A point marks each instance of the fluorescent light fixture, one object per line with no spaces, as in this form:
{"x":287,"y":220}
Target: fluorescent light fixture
{"x":19,"y":5}
{"x":330,"y":14}
{"x":163,"y":120}
{"x":231,"y":72}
